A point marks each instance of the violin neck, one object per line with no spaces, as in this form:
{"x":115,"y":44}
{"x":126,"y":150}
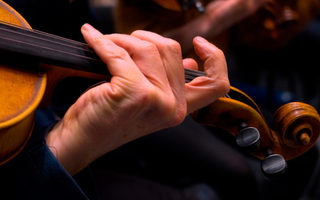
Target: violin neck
{"x":50,"y":49}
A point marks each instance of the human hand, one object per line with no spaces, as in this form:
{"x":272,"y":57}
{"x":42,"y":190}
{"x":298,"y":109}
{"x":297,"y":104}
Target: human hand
{"x":146,"y":93}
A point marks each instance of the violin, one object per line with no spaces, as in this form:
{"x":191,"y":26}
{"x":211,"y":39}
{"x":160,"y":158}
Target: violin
{"x":49,"y":58}
{"x":276,"y":23}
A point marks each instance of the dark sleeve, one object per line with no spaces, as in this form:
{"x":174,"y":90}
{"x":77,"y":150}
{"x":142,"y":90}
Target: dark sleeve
{"x":35,"y":173}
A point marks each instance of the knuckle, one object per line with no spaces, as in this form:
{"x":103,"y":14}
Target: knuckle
{"x":99,"y":40}
{"x":167,"y":108}
{"x":179,"y":117}
{"x":174,"y":112}
{"x":148,"y":47}
{"x":117,"y":54}
{"x":102,"y":42}
{"x":172,"y":45}
{"x":137,"y":32}
{"x":223,"y":87}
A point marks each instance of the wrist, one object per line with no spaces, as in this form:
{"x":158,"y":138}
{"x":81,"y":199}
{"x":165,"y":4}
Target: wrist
{"x":61,"y":145}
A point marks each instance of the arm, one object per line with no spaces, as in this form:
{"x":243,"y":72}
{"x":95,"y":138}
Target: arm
{"x":218,"y":17}
{"x":147,"y":93}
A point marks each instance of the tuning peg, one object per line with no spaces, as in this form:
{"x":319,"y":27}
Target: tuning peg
{"x":248,"y":137}
{"x":199,"y":6}
{"x":273,"y":164}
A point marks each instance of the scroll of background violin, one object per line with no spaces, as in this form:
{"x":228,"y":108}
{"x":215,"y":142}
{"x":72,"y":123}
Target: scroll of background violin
{"x":276,"y":23}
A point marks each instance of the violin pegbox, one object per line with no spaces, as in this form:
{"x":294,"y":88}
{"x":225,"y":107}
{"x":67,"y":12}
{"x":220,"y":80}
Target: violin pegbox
{"x":296,"y":128}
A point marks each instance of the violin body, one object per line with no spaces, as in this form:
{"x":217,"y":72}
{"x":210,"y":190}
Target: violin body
{"x":20,"y":94}
{"x":27,"y":84}
{"x":22,"y":90}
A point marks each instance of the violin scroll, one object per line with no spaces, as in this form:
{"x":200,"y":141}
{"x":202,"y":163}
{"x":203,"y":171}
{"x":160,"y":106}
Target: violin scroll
{"x":276,"y":23}
{"x":297,"y":126}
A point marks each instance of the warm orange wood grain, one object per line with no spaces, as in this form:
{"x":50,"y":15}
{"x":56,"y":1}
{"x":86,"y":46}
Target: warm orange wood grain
{"x":20,"y":95}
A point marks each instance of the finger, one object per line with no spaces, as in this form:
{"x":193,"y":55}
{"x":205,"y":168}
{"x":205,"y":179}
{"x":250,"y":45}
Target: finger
{"x":117,"y":59}
{"x":214,"y":60}
{"x":145,"y":55}
{"x":190,"y":63}
{"x":171,"y":55}
{"x":204,"y":90}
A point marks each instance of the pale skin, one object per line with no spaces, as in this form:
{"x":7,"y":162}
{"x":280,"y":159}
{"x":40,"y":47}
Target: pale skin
{"x":147,"y":93}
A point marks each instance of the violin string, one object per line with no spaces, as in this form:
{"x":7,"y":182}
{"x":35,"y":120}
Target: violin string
{"x":59,"y":42}
{"x":44,"y":33}
{"x":46,"y":48}
{"x":189,"y":74}
{"x":79,"y":44}
{"x":195,"y":72}
{"x":61,"y":50}
{"x":41,"y":39}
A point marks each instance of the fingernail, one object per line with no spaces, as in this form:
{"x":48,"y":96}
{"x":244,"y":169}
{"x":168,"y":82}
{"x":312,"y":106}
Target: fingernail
{"x":200,"y":39}
{"x":86,"y":27}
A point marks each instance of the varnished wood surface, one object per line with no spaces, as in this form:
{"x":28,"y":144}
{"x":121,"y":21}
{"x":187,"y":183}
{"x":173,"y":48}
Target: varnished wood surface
{"x":20,"y":94}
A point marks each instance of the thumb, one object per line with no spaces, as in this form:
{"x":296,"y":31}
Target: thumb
{"x":204,"y":90}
